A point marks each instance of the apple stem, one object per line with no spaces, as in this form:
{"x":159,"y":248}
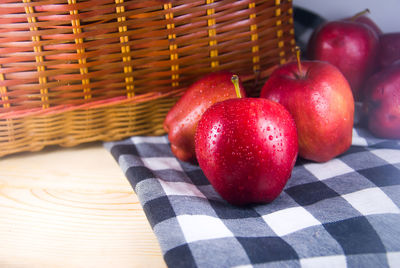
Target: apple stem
{"x":359,"y":14}
{"x":297,"y":50}
{"x":235,"y":81}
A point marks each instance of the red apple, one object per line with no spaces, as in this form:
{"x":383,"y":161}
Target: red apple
{"x":321,"y":102}
{"x":369,"y":22}
{"x":389,"y":49}
{"x":382,"y":102}
{"x":181,"y":121}
{"x":350,"y":46}
{"x":361,"y":17}
{"x":247,"y":148}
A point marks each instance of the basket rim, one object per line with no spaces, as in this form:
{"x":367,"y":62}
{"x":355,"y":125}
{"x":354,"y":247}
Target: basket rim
{"x":119,"y":100}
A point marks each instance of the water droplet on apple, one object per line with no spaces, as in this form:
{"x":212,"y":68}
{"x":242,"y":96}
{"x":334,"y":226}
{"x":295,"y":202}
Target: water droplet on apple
{"x":270,"y":137}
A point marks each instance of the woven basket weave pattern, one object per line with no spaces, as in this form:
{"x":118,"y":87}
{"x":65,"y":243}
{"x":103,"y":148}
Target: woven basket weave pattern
{"x":76,"y":71}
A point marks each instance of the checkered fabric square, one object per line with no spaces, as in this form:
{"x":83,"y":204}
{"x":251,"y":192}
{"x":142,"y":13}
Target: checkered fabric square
{"x":342,"y":213}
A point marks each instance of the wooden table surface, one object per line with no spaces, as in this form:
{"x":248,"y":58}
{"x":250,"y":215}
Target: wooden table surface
{"x":71,"y":207}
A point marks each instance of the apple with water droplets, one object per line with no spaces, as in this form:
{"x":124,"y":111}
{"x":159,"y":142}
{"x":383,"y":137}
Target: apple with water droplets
{"x":181,"y":120}
{"x":247,"y":148}
{"x":350,"y":46}
{"x":382,"y":102}
{"x":321,"y":102}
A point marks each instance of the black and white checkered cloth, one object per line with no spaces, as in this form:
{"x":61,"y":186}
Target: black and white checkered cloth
{"x":343,"y":213}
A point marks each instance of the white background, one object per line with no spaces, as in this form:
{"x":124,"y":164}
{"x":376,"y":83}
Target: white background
{"x":385,"y":13}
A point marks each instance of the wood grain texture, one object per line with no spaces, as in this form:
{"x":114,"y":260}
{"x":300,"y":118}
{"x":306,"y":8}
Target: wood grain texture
{"x":71,"y":208}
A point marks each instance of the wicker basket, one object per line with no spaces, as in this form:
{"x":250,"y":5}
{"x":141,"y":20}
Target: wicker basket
{"x":77,"y":71}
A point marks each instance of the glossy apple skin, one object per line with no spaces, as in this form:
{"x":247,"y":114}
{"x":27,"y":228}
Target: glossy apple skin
{"x":321,"y":103}
{"x":382,"y":103}
{"x":389,"y":49}
{"x":247,"y":149}
{"x":181,"y":121}
{"x":350,"y":46}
